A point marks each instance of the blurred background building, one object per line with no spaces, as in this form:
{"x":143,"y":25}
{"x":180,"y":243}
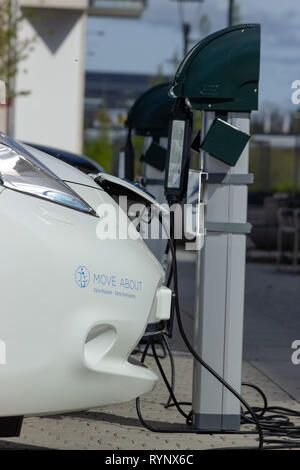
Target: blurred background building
{"x":114,"y":92}
{"x":52,"y":113}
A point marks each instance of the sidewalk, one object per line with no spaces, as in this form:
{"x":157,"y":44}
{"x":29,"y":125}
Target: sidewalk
{"x":117,"y":427}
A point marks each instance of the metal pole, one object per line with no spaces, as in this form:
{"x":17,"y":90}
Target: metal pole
{"x":219,"y":295}
{"x":186,"y":37}
{"x":230,"y":12}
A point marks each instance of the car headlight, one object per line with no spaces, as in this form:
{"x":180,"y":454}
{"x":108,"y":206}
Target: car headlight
{"x":21,"y":171}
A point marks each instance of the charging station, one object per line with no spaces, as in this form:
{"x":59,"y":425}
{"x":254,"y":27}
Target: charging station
{"x":149,"y":117}
{"x":220,"y":77}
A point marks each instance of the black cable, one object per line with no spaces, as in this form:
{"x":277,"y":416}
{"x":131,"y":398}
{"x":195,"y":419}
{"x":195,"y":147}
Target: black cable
{"x":157,"y":338}
{"x":185,"y":429}
{"x":275,"y":424}
{"x":181,"y":403}
{"x":172,"y":371}
{"x":170,"y":390}
{"x":138,"y":408}
{"x":170,"y":276}
{"x":168,"y":283}
{"x":145,"y":352}
{"x":279,"y":425}
{"x":265,"y":406}
{"x":287,"y":411}
{"x":255,"y":387}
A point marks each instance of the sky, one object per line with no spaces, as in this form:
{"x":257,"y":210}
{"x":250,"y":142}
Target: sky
{"x":145,"y":44}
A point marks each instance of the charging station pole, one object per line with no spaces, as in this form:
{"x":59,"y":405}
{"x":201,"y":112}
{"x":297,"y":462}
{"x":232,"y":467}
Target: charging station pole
{"x":220,"y":76}
{"x":219,"y":300}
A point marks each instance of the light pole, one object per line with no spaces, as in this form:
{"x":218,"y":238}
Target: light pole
{"x":230,"y":12}
{"x":186,"y":27}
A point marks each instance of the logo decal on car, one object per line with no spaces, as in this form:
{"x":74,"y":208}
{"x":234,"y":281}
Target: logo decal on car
{"x":82,"y":276}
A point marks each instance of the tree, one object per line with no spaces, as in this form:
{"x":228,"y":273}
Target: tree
{"x":12,"y":51}
{"x":158,"y":78}
{"x":295,"y":122}
{"x":100,"y":149}
{"x":103,"y":116}
{"x":204,"y":25}
{"x":236,"y":19}
{"x":174,"y":62}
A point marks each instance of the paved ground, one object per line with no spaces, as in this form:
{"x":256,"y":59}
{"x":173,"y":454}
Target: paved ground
{"x":118,"y":428}
{"x":272,"y":318}
{"x":272,"y":323}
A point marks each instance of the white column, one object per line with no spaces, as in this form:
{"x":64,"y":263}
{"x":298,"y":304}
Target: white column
{"x":219,"y":305}
{"x":53,"y":73}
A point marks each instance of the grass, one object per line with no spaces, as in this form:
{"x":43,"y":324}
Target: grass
{"x":274,"y":170}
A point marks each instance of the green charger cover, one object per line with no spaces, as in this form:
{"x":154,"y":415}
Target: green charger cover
{"x":225,"y":142}
{"x":155,"y":156}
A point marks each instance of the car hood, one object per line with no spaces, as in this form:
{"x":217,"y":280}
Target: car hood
{"x":61,"y":169}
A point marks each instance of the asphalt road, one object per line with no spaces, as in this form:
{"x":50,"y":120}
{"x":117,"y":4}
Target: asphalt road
{"x":271,"y":324}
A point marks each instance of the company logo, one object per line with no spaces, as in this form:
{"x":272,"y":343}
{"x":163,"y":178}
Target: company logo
{"x":108,"y":284}
{"x":82,"y":276}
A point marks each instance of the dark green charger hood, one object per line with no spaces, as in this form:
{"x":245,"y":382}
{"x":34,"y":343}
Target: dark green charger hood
{"x":151,"y":112}
{"x":221,"y":72}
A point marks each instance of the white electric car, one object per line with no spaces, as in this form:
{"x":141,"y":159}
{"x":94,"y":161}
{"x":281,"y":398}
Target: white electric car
{"x":73,"y":306}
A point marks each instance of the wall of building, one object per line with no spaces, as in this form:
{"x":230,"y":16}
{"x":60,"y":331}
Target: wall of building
{"x":54,"y":74}
{"x":52,"y":114}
